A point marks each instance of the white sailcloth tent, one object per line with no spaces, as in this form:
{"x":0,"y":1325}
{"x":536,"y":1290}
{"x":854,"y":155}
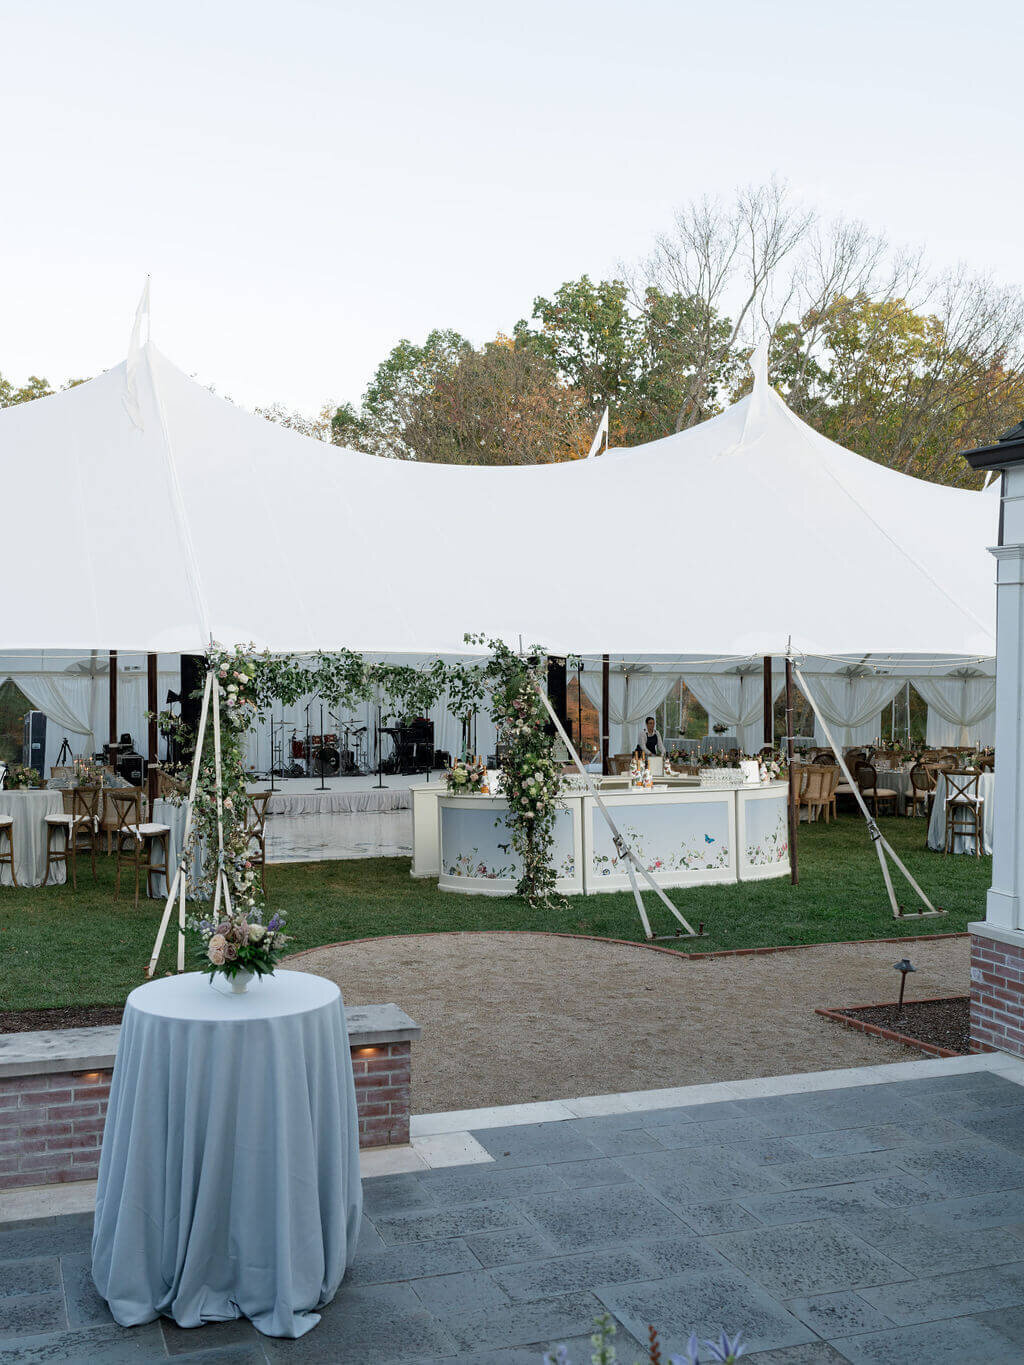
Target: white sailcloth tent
{"x":173,"y":526}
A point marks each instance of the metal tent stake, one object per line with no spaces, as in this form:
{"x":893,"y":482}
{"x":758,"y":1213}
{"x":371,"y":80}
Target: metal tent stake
{"x":882,"y":845}
{"x":622,"y":848}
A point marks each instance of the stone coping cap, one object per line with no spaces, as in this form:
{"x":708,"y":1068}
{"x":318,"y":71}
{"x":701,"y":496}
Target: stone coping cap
{"x":93,"y":1049}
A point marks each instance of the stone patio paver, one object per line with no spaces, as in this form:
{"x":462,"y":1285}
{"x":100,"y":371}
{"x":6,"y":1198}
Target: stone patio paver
{"x":860,"y":1224}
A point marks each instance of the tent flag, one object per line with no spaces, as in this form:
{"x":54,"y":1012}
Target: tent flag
{"x":201,"y":519}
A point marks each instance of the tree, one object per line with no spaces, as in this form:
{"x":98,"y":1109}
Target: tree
{"x":398,"y":394}
{"x":720,"y":256}
{"x":320,"y":428}
{"x":593,"y":339}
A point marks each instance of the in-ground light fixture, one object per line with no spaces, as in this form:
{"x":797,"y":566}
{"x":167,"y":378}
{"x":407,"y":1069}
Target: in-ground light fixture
{"x":903,"y":967}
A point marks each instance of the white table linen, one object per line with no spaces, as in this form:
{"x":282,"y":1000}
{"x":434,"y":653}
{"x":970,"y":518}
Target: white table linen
{"x":229,"y":1175}
{"x":937,"y":822}
{"x":29,"y":809}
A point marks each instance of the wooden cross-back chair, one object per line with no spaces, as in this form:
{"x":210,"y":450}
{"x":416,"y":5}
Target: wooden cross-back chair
{"x":256,"y":830}
{"x":79,"y":828}
{"x":133,"y":839}
{"x":965,"y":811}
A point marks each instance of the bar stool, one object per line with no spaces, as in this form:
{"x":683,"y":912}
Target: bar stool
{"x":7,"y":827}
{"x":132,"y":838}
{"x":965,"y":811}
{"x":60,"y":824}
{"x":82,"y":822}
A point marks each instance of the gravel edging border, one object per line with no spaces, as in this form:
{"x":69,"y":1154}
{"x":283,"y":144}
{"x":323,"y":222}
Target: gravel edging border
{"x":892,"y":1035}
{"x":633,"y":943}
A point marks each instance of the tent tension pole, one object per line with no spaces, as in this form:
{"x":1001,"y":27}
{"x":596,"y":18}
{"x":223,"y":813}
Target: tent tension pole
{"x":882,"y":845}
{"x":177,"y":888}
{"x":625,"y":852}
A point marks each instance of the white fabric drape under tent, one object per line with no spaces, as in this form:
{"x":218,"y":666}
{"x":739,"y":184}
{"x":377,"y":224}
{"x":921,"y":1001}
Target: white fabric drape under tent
{"x":852,"y":704}
{"x":633,"y":694}
{"x":735,"y":700}
{"x":961,"y":709}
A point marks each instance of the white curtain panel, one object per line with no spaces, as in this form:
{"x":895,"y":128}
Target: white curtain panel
{"x":631,"y":698}
{"x":735,"y":700}
{"x":852,"y":706}
{"x":958,"y":709}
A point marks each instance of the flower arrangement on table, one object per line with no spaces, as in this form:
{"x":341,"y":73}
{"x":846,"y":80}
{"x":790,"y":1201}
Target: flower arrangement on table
{"x":88,"y":773}
{"x":466,"y":776}
{"x":20,"y":778}
{"x":239,"y":943}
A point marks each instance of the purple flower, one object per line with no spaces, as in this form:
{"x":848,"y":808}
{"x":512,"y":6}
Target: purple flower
{"x":275,"y":922}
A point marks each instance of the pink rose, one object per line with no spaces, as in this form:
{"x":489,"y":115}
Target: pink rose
{"x":216,"y":950}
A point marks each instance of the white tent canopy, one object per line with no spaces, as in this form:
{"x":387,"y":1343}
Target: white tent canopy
{"x":173,"y":509}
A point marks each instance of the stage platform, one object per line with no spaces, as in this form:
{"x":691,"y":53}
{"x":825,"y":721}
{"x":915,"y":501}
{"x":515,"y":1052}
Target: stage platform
{"x":345,"y":817}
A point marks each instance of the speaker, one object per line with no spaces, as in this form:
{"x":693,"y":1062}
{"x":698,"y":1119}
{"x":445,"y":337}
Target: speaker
{"x":132,"y":767}
{"x":193,"y":677}
{"x":557,"y":694}
{"x":33,"y":747}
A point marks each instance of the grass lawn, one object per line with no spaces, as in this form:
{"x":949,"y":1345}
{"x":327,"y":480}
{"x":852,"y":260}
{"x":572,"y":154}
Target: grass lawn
{"x":58,"y":947}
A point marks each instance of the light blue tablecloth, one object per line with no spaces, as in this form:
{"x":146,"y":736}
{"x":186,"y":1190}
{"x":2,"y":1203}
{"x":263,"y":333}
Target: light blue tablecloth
{"x":229,"y":1176}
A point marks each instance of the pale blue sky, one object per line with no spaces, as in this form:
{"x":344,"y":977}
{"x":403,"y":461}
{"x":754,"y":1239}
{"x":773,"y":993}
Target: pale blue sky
{"x":308,"y":182}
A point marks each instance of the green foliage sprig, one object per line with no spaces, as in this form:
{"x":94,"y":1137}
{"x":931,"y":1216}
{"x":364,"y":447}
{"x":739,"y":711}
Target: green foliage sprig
{"x":531,"y":777}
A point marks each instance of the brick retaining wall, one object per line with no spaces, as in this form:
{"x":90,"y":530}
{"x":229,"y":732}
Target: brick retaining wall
{"x":51,"y":1120}
{"x":997,"y":995}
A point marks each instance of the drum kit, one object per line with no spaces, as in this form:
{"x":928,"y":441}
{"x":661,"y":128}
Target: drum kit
{"x":339,"y":754}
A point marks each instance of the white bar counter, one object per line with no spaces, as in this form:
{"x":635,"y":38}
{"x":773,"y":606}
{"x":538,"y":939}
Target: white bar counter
{"x":686,"y":835}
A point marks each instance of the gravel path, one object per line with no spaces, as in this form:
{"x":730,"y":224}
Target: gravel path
{"x":511,"y":1017}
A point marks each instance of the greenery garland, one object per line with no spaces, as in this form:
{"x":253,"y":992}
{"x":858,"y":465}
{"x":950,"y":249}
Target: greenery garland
{"x":531,"y":777}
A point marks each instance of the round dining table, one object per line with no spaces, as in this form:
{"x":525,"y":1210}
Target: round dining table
{"x":28,"y":808}
{"x":229,"y":1174}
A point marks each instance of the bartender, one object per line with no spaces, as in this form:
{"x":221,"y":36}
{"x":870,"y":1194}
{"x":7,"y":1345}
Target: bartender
{"x":650,"y":740}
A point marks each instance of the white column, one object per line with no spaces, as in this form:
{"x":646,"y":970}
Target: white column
{"x":1004,"y":906}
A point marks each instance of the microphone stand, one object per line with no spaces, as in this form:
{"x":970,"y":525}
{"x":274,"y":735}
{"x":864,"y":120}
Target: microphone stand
{"x":272,"y":787}
{"x":380,"y":779}
{"x":323,"y":746}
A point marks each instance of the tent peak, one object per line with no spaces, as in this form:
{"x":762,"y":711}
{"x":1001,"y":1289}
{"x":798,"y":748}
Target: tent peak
{"x":758,"y":363}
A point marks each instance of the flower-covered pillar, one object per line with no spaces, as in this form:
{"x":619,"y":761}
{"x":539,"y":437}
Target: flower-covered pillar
{"x":997,"y":942}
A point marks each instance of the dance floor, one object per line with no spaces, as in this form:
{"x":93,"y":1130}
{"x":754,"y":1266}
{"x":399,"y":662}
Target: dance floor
{"x":342,"y":817}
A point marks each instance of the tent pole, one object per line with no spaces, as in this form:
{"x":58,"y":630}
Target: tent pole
{"x":794,"y":809}
{"x":179,"y":875}
{"x":625,"y":852}
{"x":768,"y":734}
{"x":112,"y":697}
{"x":151,"y":706}
{"x":606,"y":688}
{"x":882,"y":845}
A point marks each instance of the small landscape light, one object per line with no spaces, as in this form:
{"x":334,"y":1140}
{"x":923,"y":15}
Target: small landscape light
{"x":903,"y":967}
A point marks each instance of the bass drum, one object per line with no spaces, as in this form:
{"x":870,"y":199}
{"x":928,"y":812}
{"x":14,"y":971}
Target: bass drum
{"x":326,"y":761}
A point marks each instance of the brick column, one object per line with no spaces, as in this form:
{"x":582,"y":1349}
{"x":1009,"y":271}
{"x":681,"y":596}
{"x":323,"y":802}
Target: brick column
{"x":52,"y":1109}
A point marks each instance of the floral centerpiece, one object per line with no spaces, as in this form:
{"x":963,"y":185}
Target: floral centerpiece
{"x":466,"y":776}
{"x":19,"y":778}
{"x":88,"y":773}
{"x":239,"y":946}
